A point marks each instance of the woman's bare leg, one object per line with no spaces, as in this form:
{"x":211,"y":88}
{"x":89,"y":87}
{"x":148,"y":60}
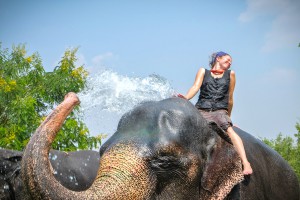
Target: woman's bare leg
{"x":239,"y":146}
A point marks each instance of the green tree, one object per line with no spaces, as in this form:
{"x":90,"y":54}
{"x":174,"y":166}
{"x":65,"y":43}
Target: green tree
{"x":28,"y":93}
{"x":296,"y":162}
{"x":288,"y":148}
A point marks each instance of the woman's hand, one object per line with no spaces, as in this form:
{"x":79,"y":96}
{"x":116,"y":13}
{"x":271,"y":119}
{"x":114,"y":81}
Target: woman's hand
{"x":181,"y":96}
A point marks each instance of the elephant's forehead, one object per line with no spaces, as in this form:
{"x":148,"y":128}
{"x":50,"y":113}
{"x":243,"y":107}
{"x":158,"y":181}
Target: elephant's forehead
{"x":158,"y":115}
{"x":167,"y":124}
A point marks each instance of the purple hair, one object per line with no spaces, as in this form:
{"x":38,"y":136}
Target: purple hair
{"x":214,"y":56}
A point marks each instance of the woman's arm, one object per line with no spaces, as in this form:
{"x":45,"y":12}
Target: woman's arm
{"x":197,"y":84}
{"x":231,"y":90}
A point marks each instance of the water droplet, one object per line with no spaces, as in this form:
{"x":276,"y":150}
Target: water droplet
{"x":53,"y":157}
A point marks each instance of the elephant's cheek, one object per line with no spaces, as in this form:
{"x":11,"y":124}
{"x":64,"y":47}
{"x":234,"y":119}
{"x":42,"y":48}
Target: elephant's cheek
{"x":124,"y":175}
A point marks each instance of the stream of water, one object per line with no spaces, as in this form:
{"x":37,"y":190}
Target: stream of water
{"x":109,"y":95}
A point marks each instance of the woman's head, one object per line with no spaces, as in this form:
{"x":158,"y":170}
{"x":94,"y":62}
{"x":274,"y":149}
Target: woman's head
{"x":222,"y":58}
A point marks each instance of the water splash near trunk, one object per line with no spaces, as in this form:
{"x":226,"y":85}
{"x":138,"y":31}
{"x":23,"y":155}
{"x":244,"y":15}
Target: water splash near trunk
{"x":109,"y":95}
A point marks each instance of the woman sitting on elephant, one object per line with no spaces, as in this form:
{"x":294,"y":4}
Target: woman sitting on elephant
{"x":216,"y":99}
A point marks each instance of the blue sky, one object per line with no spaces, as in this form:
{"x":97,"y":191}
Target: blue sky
{"x":173,"y":39}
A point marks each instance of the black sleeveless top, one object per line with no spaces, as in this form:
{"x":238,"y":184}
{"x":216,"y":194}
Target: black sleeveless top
{"x":214,"y":92}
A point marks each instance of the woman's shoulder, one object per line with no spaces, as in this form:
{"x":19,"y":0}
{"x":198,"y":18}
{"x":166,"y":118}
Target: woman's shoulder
{"x":201,"y":73}
{"x":202,"y":70}
{"x":232,"y":73}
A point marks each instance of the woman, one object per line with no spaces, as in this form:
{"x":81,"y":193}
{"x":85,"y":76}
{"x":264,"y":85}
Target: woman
{"x":216,"y":99}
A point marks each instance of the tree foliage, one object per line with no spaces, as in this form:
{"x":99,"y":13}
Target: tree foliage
{"x":288,"y":148}
{"x":28,"y":93}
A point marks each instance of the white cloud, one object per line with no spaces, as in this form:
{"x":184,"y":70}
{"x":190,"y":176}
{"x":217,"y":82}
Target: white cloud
{"x":99,"y":59}
{"x":283,"y":73}
{"x":257,"y":8}
{"x":285,"y":29}
{"x":102,"y":61}
{"x":282,"y":76}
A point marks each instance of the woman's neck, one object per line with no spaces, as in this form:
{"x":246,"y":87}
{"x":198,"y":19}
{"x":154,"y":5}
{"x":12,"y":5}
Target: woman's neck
{"x":216,"y":67}
{"x":217,"y":70}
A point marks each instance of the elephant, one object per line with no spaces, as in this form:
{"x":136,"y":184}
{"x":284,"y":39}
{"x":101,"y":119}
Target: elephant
{"x":163,"y":150}
{"x":75,"y":170}
{"x":11,"y":184}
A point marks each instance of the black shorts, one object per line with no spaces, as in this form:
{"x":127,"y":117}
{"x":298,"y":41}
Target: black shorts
{"x":220,"y":117}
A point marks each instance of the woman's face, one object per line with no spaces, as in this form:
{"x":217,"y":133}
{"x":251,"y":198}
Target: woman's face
{"x":224,"y":62}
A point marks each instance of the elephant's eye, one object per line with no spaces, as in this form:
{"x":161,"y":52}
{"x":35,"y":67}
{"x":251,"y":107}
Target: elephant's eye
{"x":166,"y":165}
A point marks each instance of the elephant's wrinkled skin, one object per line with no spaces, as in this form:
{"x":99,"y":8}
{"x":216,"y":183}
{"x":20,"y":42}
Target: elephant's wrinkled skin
{"x":74,"y":170}
{"x":163,"y":150}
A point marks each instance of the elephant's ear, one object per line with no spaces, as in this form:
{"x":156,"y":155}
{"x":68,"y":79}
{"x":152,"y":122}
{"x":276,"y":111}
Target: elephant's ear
{"x":223,"y":169}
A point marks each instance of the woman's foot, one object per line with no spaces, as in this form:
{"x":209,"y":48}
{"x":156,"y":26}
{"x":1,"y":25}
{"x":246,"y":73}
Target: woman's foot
{"x":247,"y":169}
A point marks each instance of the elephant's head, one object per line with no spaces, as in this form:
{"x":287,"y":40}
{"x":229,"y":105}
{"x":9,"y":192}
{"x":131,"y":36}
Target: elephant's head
{"x":163,"y":150}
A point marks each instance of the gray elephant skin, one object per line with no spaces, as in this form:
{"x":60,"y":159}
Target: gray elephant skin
{"x":162,"y":150}
{"x":74,"y":170}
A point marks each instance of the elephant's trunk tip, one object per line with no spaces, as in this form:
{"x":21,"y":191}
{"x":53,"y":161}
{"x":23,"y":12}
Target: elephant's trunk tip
{"x":72,"y":97}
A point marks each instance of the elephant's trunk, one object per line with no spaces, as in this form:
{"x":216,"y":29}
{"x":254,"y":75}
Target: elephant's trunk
{"x":122,"y":173}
